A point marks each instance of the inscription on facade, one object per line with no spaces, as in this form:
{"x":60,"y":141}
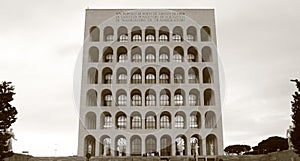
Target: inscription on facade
{"x":150,"y":16}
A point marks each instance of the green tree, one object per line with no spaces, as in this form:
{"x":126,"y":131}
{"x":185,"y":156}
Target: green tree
{"x":272,"y":144}
{"x":237,"y":149}
{"x":7,"y":117}
{"x":295,"y":133}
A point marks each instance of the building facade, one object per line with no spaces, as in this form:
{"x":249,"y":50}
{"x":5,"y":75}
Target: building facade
{"x":150,"y":84}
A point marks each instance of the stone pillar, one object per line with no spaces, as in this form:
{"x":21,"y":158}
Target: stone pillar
{"x":204,"y":146}
{"x":112,"y":147}
{"x":188,"y":146}
{"x":158,"y":145}
{"x":173,"y":148}
{"x":97,"y":147}
{"x":128,"y":147}
{"x":143,"y":145}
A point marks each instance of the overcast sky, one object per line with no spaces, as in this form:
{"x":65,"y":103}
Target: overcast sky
{"x":258,"y":43}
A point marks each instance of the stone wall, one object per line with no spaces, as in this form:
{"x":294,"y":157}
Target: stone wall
{"x":276,"y":156}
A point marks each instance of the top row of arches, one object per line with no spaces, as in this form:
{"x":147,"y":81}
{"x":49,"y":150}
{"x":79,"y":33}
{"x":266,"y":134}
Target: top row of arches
{"x":150,"y":34}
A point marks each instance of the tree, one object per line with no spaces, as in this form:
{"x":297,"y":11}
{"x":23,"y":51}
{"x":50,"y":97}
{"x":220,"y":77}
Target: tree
{"x":7,"y":117}
{"x":295,"y":133}
{"x":237,"y":149}
{"x":272,"y":144}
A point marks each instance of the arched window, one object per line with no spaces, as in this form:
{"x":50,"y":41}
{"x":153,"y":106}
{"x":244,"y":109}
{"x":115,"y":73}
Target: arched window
{"x":163,"y":38}
{"x":89,"y":141}
{"x":206,"y":54}
{"x":177,"y":34}
{"x":109,"y":58}
{"x":150,"y":38}
{"x":164,"y":78}
{"x":108,"y":34}
{"x":109,"y":38}
{"x":122,"y":120}
{"x":94,"y":34}
{"x":150,"y":58}
{"x":211,"y":145}
{"x":191,"y":58}
{"x":178,"y":54}
{"x":196,"y":145}
{"x":176,"y":38}
{"x":164,"y":54}
{"x":105,"y":145}
{"x":137,"y":58}
{"x":122,"y":34}
{"x":163,"y":34}
{"x":93,"y":54}
{"x":107,"y":54}
{"x":178,"y":100}
{"x":193,"y":75}
{"x":108,"y":78}
{"x":122,"y":54}
{"x":122,"y":58}
{"x":121,"y":144}
{"x":181,"y":145}
{"x":136,"y":55}
{"x":164,"y":75}
{"x":123,"y":38}
{"x":178,"y":78}
{"x":192,"y":100}
{"x":150,"y":75}
{"x":194,"y":121}
{"x":163,"y":58}
{"x":164,"y":100}
{"x":165,"y":145}
{"x":108,"y":100}
{"x":178,"y":58}
{"x":122,"y":99}
{"x":150,"y":78}
{"x":190,"y":38}
{"x":150,"y":34}
{"x":150,"y":122}
{"x":107,"y":121}
{"x":209,"y":97}
{"x":207,"y":75}
{"x":122,"y":79}
{"x":165,"y":122}
{"x":210,"y":120}
{"x":90,"y":120}
{"x":136,"y":98}
{"x":150,"y":97}
{"x":136,"y":146}
{"x":205,"y":33}
{"x":136,"y":38}
{"x":192,"y":54}
{"x":150,"y":100}
{"x":91,"y":98}
{"x":179,"y":121}
{"x":136,"y":122}
{"x":121,"y":76}
{"x":191,"y":33}
{"x":136,"y":77}
{"x":150,"y":144}
{"x":92,"y":76}
{"x":136,"y":34}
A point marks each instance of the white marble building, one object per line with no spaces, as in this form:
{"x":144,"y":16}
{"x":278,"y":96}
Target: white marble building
{"x":150,"y":83}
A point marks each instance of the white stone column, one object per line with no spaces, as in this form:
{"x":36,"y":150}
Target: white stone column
{"x":97,"y":148}
{"x":128,"y":143}
{"x":204,"y":146}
